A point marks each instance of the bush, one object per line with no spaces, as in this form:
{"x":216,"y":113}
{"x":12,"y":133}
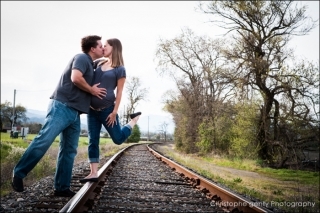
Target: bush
{"x":46,"y":166}
{"x":135,"y":135}
{"x":105,"y":135}
{"x":5,"y":150}
{"x":13,"y":154}
{"x":244,"y":131}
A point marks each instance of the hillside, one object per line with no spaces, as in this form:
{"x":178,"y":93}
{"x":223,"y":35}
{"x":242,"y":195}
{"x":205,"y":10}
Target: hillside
{"x":152,"y":122}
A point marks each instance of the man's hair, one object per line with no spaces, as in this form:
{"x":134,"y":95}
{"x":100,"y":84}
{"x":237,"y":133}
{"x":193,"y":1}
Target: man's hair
{"x":88,"y":42}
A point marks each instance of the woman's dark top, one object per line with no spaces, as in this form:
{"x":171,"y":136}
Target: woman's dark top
{"x":107,"y":79}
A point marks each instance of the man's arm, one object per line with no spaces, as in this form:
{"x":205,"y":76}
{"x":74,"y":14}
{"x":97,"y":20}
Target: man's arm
{"x":79,"y":81}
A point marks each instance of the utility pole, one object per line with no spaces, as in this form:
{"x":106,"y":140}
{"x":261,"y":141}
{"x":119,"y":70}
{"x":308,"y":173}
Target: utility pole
{"x":13,"y":113}
{"x":148,"y":128}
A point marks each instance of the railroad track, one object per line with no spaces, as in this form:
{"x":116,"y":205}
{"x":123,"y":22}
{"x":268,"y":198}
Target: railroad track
{"x":139,"y":179}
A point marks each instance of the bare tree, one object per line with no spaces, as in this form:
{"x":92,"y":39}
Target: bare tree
{"x":136,"y":93}
{"x":163,"y":130}
{"x":197,"y":67}
{"x":261,"y":31}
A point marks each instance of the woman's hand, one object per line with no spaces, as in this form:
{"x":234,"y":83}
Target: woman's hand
{"x":111,"y":119}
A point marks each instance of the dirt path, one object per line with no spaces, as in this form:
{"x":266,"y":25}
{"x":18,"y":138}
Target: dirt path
{"x":223,"y":172}
{"x":230,"y":172}
{"x":248,"y":183}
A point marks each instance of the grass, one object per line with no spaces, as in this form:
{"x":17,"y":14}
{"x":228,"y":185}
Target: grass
{"x":19,"y":142}
{"x":24,"y":143}
{"x":13,"y":148}
{"x":236,"y":163}
{"x":266,"y":184}
{"x":247,"y":177}
{"x":304,"y":177}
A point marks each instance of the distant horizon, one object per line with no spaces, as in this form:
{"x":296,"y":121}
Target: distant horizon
{"x":154,"y":121}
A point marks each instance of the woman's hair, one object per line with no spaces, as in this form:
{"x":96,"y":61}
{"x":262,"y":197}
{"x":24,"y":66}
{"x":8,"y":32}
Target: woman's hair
{"x":116,"y":56}
{"x":88,"y":42}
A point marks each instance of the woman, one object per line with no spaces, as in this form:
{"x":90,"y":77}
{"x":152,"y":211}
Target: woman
{"x":110,"y":74}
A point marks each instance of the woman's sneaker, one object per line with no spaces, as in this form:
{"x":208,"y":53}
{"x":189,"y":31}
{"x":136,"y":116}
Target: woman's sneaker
{"x":133,"y":115}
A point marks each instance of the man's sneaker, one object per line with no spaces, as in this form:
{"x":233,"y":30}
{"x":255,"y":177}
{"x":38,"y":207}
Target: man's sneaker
{"x":17,"y":184}
{"x":64,"y":193}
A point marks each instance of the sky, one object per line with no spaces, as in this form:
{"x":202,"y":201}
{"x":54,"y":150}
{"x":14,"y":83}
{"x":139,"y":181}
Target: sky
{"x":38,"y":38}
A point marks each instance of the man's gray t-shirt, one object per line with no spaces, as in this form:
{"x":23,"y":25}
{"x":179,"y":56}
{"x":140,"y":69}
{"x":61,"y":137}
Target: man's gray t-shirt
{"x":107,"y":79}
{"x":67,"y":92}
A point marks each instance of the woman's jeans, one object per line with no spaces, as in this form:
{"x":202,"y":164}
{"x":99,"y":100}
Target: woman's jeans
{"x":60,"y":119}
{"x":95,"y":121}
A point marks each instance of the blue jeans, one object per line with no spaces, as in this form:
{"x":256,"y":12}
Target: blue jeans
{"x":95,"y":121}
{"x":62,"y":120}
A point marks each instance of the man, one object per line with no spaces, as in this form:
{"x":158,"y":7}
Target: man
{"x":71,"y":98}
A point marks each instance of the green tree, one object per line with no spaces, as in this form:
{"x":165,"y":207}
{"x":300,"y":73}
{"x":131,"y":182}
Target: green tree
{"x":7,"y":117}
{"x":206,"y":135}
{"x":34,"y":128}
{"x":135,"y":135}
{"x":261,"y":31}
{"x":243,"y":131}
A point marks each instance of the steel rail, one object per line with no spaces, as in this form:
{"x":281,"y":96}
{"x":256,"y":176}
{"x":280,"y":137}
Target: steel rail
{"x":221,"y":196}
{"x":76,"y":203}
